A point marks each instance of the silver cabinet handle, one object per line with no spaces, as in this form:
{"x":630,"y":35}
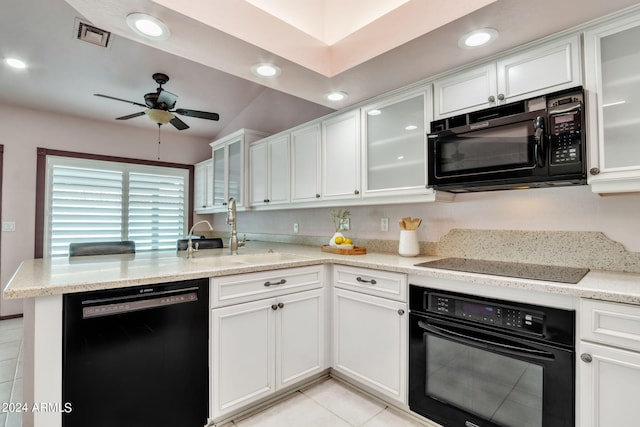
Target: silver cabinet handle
{"x":356,"y":192}
{"x":491,"y":99}
{"x":274,"y":307}
{"x":500,"y":97}
{"x":400,"y":312}
{"x":586,"y":358}
{"x":280,"y":304}
{"x":281,"y":282}
{"x":361,"y":280}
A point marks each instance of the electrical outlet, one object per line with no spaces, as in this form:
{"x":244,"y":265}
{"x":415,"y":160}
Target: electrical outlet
{"x":295,"y":228}
{"x":8,"y":226}
{"x":384,"y":224}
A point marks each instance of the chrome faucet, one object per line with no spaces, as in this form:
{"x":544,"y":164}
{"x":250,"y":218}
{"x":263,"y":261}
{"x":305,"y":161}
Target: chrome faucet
{"x":234,"y":244}
{"x":190,"y":249}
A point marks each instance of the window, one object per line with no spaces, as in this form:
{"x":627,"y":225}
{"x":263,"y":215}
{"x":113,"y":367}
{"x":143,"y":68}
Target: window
{"x":94,"y":200}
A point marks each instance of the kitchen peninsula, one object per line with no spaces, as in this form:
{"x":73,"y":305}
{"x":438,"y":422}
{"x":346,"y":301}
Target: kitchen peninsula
{"x":43,"y":282}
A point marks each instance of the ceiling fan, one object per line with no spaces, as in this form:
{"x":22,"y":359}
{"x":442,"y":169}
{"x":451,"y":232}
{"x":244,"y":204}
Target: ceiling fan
{"x":159,"y":106}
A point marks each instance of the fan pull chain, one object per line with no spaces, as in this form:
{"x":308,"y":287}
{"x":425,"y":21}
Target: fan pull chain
{"x":159,"y":124}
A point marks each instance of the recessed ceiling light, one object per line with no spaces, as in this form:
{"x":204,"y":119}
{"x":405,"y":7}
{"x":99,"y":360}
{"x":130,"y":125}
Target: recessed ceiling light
{"x":15,"y":63}
{"x":374,"y":112}
{"x":265,"y":69}
{"x":148,"y":26}
{"x":478,"y":38}
{"x":337,"y":96}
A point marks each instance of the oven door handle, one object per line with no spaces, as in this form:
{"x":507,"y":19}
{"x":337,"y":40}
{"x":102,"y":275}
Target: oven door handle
{"x":490,"y":345}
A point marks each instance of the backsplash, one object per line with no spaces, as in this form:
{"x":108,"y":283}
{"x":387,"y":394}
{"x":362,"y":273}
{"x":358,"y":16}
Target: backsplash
{"x":590,"y":249}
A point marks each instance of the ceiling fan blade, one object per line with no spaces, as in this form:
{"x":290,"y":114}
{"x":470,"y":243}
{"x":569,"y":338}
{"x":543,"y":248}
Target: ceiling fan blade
{"x":167,"y":98}
{"x":120,"y":99}
{"x":131,"y":116}
{"x":198,"y":114}
{"x":178,"y":124}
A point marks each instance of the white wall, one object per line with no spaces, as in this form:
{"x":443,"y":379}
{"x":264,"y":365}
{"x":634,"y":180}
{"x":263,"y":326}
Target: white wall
{"x":22,"y":131}
{"x":561,"y":209}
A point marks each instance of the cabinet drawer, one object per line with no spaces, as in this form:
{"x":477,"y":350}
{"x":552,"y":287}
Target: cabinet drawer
{"x":265,"y":284}
{"x":611,"y":323}
{"x":372,"y":282}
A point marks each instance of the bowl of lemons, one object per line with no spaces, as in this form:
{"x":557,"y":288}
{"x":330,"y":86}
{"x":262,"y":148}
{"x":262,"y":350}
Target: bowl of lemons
{"x":340,"y":241}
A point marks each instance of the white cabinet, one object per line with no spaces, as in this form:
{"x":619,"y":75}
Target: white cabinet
{"x":609,"y":364}
{"x":535,"y":71}
{"x":266,"y":344}
{"x":370,"y":332}
{"x":306,"y":164}
{"x":203,"y":186}
{"x":228,"y":157}
{"x":269,"y":171}
{"x":612,"y":58}
{"x":395,"y":145}
{"x":341,"y":156}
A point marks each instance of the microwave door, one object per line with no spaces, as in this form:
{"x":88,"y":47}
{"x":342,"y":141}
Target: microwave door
{"x":486,"y":151}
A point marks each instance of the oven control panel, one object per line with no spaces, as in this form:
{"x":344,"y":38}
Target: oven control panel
{"x":478,"y":311}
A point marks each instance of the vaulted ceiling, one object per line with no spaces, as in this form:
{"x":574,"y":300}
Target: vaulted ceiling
{"x":360,"y":47}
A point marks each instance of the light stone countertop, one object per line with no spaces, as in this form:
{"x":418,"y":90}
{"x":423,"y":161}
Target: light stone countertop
{"x":41,"y":277}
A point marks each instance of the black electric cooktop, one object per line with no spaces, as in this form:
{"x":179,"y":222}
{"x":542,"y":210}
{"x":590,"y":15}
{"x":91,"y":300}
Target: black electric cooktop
{"x":552,"y":273}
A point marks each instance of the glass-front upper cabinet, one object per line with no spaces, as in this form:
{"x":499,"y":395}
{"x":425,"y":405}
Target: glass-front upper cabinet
{"x":612,"y":56}
{"x":228,"y":167}
{"x":395,"y":158}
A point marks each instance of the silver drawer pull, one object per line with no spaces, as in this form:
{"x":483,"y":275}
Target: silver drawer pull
{"x":361,"y":280}
{"x":281,"y":282}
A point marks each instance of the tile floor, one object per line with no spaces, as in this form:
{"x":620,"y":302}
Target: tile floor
{"x":327,"y":404}
{"x":10,"y":370}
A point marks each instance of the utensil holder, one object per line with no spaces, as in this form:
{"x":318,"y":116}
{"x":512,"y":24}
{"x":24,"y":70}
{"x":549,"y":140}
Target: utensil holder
{"x":409,"y":245}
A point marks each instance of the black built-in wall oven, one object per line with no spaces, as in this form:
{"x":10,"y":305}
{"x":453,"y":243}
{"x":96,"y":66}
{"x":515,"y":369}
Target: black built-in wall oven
{"x":479,"y":362}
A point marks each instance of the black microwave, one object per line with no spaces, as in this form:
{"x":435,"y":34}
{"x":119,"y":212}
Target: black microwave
{"x":539,"y":142}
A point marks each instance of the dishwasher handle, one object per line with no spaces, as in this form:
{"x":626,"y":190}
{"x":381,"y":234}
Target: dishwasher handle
{"x":125,"y":304}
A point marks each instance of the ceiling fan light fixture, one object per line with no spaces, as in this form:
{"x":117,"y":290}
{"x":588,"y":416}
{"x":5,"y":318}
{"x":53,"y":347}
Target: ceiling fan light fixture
{"x":160,"y":117}
{"x":265,"y":69}
{"x":148,"y":26}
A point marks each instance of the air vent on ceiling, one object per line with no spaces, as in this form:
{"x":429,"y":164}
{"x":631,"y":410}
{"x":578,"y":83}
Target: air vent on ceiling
{"x":91,"y":34}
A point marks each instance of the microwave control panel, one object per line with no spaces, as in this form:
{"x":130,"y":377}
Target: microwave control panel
{"x":565,"y":134}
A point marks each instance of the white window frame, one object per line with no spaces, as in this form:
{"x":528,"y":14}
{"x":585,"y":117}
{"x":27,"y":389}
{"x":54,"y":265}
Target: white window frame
{"x":126,"y":169}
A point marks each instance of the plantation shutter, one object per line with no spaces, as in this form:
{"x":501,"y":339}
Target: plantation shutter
{"x":86,"y":206}
{"x":156,"y":210}
{"x":99,"y":201}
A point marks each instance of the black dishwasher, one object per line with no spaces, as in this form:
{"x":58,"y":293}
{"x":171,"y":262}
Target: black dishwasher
{"x":137,"y":357}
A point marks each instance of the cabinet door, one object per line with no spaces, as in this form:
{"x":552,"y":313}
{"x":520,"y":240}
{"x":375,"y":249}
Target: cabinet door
{"x":465,"y":91}
{"x":544,"y":69}
{"x":395,"y":149}
{"x":234,"y":175}
{"x":370,"y":341}
{"x":278,"y":170}
{"x":612,"y":58}
{"x":258,"y":174}
{"x":242,"y":352}
{"x":305,"y":164}
{"x":609,"y":387}
{"x":299,"y":337}
{"x":341,"y":156}
{"x":203,"y":186}
{"x":219,"y":176}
